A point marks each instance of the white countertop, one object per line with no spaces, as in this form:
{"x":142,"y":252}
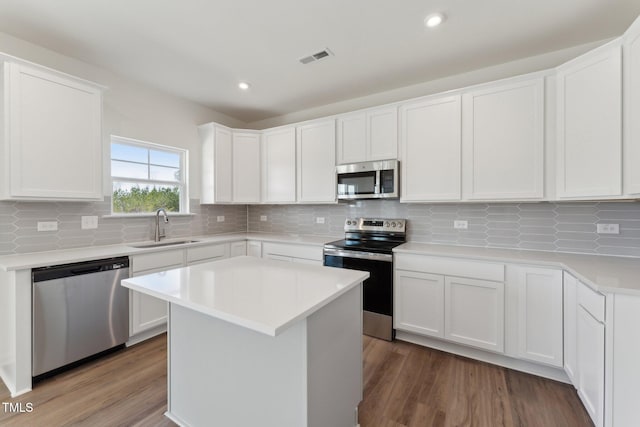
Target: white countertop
{"x":65,"y":256}
{"x":263,"y":295}
{"x":602,"y":273}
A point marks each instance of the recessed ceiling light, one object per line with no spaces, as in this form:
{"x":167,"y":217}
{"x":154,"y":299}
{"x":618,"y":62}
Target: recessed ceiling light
{"x":434,"y":20}
{"x":244,"y":85}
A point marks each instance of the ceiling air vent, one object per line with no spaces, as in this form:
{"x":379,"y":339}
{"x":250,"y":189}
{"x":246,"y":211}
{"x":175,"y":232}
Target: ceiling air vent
{"x":316,"y":56}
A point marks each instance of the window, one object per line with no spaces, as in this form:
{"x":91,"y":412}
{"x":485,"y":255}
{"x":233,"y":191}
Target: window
{"x":146,"y":177}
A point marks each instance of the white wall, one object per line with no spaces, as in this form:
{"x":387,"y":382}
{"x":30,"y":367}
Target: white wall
{"x":132,"y":109}
{"x":495,"y":72}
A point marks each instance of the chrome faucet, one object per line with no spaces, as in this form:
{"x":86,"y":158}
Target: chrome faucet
{"x":159,"y":235}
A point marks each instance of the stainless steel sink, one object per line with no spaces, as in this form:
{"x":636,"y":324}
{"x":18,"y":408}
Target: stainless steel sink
{"x":160,"y":244}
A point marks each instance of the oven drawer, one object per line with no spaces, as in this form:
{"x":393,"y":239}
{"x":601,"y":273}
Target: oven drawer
{"x":450,"y":267}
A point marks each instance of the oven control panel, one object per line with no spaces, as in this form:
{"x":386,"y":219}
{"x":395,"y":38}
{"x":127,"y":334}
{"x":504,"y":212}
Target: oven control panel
{"x":375,"y":224}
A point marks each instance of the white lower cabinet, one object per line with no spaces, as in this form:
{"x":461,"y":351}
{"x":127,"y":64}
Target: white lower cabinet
{"x":429,"y":300}
{"x":148,"y":315}
{"x":474,"y":312}
{"x":419,"y":303}
{"x":200,"y":254}
{"x":309,"y":254}
{"x":624,"y":395}
{"x":254,"y":248}
{"x":590,"y":352}
{"x":585,"y":347}
{"x":570,"y":302}
{"x":238,"y":249}
{"x":146,"y":312}
{"x":534,"y":319}
{"x":538,"y":314}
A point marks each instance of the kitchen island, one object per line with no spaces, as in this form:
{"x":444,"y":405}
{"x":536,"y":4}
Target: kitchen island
{"x":261,"y":342}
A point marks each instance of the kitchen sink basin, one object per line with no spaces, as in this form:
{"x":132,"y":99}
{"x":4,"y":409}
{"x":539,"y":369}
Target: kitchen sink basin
{"x":160,"y":244}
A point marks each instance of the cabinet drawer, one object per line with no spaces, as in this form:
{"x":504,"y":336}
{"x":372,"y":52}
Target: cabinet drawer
{"x":295,"y":251}
{"x":450,"y":267}
{"x":202,"y":253}
{"x":592,"y":301}
{"x":165,"y":259}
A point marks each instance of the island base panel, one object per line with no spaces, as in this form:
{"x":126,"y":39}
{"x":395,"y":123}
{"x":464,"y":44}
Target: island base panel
{"x":308,"y":375}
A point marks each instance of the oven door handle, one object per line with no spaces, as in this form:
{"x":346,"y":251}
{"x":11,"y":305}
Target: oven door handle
{"x":357,"y":254}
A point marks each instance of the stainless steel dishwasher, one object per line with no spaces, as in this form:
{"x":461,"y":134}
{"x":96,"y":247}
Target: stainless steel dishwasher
{"x":79,"y":310}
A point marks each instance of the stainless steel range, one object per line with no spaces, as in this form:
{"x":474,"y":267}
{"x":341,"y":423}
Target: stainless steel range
{"x":368,"y":245}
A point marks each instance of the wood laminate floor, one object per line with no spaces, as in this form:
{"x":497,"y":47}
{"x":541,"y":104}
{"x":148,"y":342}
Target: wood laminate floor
{"x":404,"y":385}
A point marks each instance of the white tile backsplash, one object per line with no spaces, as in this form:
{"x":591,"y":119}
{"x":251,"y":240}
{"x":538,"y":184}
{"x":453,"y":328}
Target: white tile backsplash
{"x":18,"y":220}
{"x":557,"y":227}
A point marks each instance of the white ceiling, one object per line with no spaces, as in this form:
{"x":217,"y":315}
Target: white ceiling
{"x":200,"y":49}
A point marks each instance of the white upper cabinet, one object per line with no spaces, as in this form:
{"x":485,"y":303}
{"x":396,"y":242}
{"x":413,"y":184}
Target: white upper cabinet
{"x":316,"y":159}
{"x":216,"y":164}
{"x":368,"y":135}
{"x":352,"y":138}
{"x":246,"y":167}
{"x":589,"y":140}
{"x":503,"y":141}
{"x":52,"y":136}
{"x":430,"y":140}
{"x":631,"y":85}
{"x":382,"y":133}
{"x":279,"y":165}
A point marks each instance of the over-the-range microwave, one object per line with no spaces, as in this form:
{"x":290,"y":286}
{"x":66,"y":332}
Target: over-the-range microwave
{"x":368,"y":180}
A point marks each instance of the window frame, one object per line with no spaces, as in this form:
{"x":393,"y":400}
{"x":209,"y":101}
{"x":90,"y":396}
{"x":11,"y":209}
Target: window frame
{"x":183,"y":184}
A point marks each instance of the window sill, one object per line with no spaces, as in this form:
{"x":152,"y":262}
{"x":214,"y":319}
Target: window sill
{"x":145,"y":215}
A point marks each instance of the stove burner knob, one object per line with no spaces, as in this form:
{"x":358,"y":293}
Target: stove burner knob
{"x":393,"y":224}
{"x":386,"y":224}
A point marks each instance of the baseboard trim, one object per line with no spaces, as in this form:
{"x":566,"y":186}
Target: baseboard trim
{"x":549,"y":372}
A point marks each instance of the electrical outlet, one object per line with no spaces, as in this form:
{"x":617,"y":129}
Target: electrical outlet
{"x":460,"y":224}
{"x":88,"y":222}
{"x":608,"y":228}
{"x":320,"y":220}
{"x":220,"y":218}
{"x":263,"y":217}
{"x":47,"y":225}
